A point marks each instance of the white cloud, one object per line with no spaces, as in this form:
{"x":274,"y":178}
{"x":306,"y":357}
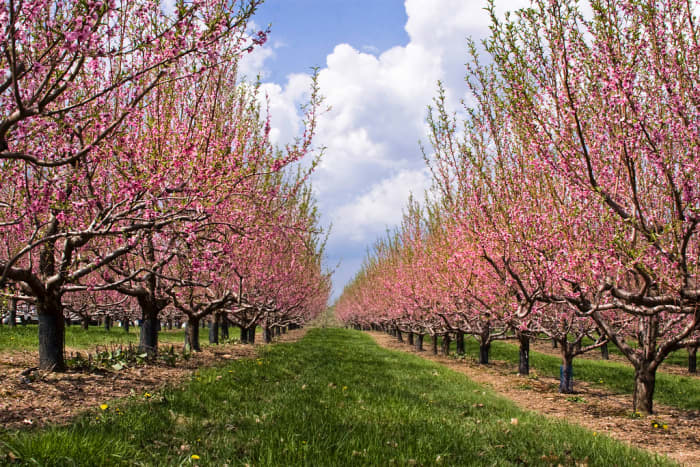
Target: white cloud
{"x":371,"y":213}
{"x":253,"y":64}
{"x":378,"y":108}
{"x":167,"y":6}
{"x":284,"y":105}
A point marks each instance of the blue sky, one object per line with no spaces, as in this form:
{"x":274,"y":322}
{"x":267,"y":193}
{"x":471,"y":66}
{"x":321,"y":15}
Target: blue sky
{"x":308,"y":30}
{"x":379,"y":66}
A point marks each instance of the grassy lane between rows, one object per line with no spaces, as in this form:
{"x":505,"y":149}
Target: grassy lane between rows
{"x":682,"y":392}
{"x":333,"y":398}
{"x":27,"y":337}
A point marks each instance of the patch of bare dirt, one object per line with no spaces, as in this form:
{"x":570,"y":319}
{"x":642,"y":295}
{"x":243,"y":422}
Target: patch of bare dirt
{"x":42,"y":398}
{"x":592,"y":407}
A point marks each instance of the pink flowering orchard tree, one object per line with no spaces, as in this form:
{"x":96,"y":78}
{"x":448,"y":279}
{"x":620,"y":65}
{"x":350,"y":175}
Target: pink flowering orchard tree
{"x":575,"y":182}
{"x":208,"y":149}
{"x":77,"y":76}
{"x":609,"y":105}
{"x":279,"y":271}
{"x":513,"y":225}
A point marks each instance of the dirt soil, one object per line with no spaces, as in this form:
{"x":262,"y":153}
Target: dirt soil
{"x":55,"y":398}
{"x":591,"y":407}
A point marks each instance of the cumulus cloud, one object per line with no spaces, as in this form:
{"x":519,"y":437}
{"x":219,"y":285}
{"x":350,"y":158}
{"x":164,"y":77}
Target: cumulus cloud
{"x":371,"y":213}
{"x":378,"y":107}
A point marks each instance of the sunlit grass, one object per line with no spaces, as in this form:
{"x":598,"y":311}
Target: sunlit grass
{"x":674,"y":390}
{"x":334,"y":398}
{"x":676,"y":358}
{"x":26,"y":337}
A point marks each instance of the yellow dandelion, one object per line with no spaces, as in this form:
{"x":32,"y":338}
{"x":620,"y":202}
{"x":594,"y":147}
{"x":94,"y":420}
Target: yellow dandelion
{"x":147,"y":395}
{"x":194,"y":457}
{"x":104,"y":406}
{"x":664,"y":426}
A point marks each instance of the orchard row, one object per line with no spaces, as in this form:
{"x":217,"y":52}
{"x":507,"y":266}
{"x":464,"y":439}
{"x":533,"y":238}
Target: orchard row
{"x":137,"y":175}
{"x":566,"y":201}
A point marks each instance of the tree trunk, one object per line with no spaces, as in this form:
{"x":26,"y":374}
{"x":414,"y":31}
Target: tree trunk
{"x":85,"y":322}
{"x":251,"y":334}
{"x":125,"y":324}
{"x":224,"y":327}
{"x":644,"y":383}
{"x":214,"y":330}
{"x":446,"y":340}
{"x":460,"y":343}
{"x":267,"y":334}
{"x":278,"y":331}
{"x":399,"y":336}
{"x":524,"y":361}
{"x":484,"y":349}
{"x":13,"y":313}
{"x":52,"y":334}
{"x":244,"y":335}
{"x":148,"y":339}
{"x":410,"y":338}
{"x":108,"y":323}
{"x":554,"y":343}
{"x":692,"y":359}
{"x":566,"y":375}
{"x":192,"y":334}
{"x":435,"y":344}
{"x":604,"y":354}
{"x":419,"y":342}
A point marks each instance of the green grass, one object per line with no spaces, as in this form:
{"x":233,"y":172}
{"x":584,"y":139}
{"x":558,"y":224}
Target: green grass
{"x":334,"y":398}
{"x":26,"y":337}
{"x":677,"y":358}
{"x":677,"y":391}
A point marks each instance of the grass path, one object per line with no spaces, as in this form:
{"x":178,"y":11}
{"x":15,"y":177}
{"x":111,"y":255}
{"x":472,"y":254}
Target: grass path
{"x":334,"y":398}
